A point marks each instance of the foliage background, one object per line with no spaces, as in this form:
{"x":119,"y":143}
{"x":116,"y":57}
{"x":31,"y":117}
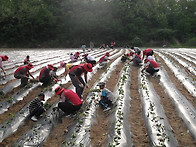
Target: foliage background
{"x":71,"y":23}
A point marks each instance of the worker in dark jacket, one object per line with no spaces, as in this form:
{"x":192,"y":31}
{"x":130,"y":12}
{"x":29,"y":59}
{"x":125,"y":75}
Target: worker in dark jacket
{"x":75,"y":74}
{"x":36,"y":107}
{"x":44,"y":76}
{"x":23,"y":74}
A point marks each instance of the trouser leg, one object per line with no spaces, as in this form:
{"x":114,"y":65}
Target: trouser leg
{"x":79,"y":89}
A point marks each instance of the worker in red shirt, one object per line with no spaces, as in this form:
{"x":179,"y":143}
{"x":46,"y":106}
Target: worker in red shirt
{"x":44,"y":76}
{"x":23,"y":73}
{"x":147,"y":52}
{"x":75,"y":74}
{"x":151,"y":67}
{"x":70,"y":102}
{"x":103,"y":60}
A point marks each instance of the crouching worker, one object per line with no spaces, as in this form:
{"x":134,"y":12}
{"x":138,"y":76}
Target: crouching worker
{"x":23,"y":74}
{"x":70,"y":102}
{"x":36,"y":107}
{"x":44,"y":76}
{"x":106,"y":97}
{"x":125,"y":57}
{"x":151,"y":67}
{"x":136,"y":59}
{"x":104,"y":60}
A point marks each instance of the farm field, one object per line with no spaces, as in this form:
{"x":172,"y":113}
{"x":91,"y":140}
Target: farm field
{"x":150,"y":111}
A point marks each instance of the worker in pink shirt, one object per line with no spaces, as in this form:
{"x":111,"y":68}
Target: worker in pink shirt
{"x":3,"y":58}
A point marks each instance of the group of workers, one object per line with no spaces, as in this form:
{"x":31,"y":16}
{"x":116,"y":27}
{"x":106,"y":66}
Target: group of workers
{"x":150,"y":65}
{"x":71,"y":101}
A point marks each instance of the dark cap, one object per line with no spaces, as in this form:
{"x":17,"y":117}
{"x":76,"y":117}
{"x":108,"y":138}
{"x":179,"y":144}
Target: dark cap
{"x":42,"y":94}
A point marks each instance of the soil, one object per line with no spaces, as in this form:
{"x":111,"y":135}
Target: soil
{"x":138,"y":129}
{"x":99,"y":129}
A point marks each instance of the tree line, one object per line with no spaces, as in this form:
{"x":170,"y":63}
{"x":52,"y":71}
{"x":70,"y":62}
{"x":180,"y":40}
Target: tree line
{"x":71,"y":23}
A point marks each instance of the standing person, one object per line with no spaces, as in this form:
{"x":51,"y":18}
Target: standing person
{"x":147,"y":52}
{"x":136,"y":59}
{"x":36,"y":107}
{"x":89,"y":59}
{"x":44,"y":76}
{"x":75,"y":74}
{"x":91,"y":45}
{"x":23,"y":73}
{"x":83,"y":48}
{"x":70,"y":102}
{"x":136,"y":49}
{"x":3,"y":58}
{"x":112,"y":45}
{"x":103,"y":60}
{"x":151,"y":67}
{"x":107,"y":97}
{"x":26,"y":60}
{"x":67,"y":66}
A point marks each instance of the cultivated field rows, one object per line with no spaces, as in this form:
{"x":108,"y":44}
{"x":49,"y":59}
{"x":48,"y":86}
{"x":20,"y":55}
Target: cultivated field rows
{"x":176,"y":65}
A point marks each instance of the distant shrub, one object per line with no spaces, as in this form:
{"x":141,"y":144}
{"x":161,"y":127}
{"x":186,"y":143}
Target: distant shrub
{"x":191,"y":42}
{"x":136,"y":41}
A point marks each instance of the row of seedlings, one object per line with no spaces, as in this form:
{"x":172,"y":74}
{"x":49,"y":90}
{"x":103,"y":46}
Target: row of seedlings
{"x":120,"y":134}
{"x":184,"y":108}
{"x":79,"y":133}
{"x":181,"y":75}
{"x":159,"y":131}
{"x":40,"y":132}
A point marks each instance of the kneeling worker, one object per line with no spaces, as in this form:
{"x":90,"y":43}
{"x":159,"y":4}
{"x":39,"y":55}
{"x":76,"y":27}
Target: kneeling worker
{"x":106,"y":97}
{"x":70,"y":102}
{"x":36,"y":107}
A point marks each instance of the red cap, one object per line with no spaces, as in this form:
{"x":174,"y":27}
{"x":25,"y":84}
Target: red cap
{"x":88,"y":67}
{"x":51,"y":66}
{"x":30,"y":65}
{"x":5,"y":58}
{"x":58,"y":90}
{"x":107,"y":54}
{"x":131,"y":53}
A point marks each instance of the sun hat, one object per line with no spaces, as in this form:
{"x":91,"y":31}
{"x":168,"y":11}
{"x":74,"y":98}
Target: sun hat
{"x":62,"y":64}
{"x":30,"y":65}
{"x":5,"y":58}
{"x":131,"y":53}
{"x":107,"y":54}
{"x":58,"y":90}
{"x":88,"y":67}
{"x":51,"y":66}
{"x":77,"y":53}
{"x":101,"y":84}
